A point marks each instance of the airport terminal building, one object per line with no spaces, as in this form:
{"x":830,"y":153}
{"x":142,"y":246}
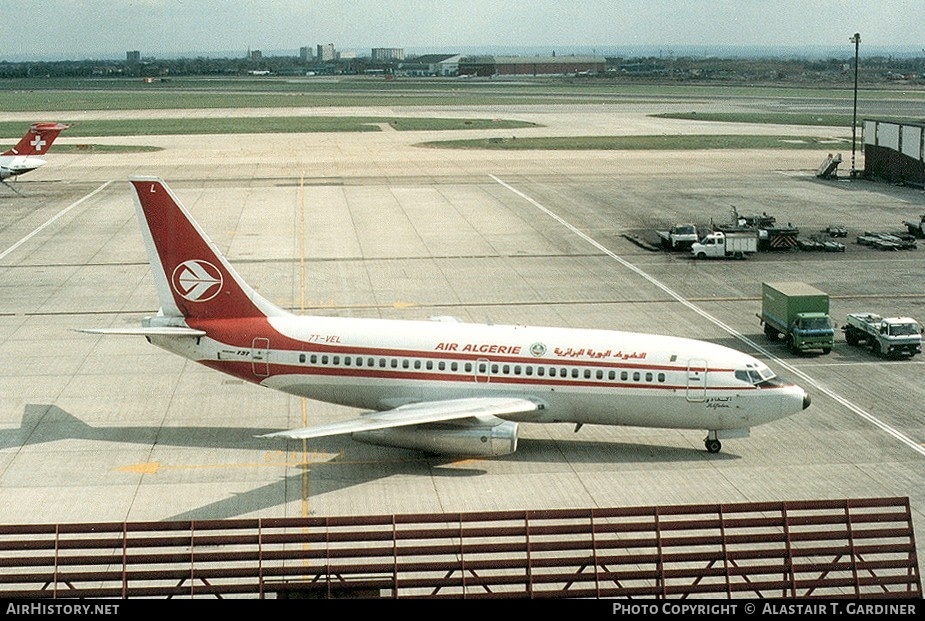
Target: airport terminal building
{"x":895,"y":151}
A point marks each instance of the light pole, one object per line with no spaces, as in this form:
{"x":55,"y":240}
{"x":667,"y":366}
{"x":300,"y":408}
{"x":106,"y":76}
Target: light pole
{"x":856,"y":39}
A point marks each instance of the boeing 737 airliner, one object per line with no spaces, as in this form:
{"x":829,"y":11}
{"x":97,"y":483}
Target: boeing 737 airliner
{"x":441,"y":386}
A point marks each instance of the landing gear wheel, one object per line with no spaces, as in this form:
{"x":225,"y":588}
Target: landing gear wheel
{"x":712,"y":445}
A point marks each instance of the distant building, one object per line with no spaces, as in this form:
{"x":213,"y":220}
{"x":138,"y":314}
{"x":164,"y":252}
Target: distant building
{"x":326,"y":53}
{"x":305,"y":54}
{"x":387,"y":54}
{"x":443,"y":65}
{"x":133,"y":58}
{"x":532,"y":65}
{"x":256,"y":55}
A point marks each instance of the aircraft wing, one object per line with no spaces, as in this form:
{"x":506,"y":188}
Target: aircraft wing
{"x":152,"y":331}
{"x":415,"y":414}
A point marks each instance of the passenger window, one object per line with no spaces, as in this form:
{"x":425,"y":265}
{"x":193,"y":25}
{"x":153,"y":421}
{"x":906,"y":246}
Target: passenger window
{"x":302,"y":358}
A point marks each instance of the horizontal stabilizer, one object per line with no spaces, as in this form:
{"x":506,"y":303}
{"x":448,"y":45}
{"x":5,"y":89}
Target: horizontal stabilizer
{"x":415,"y":414}
{"x":155,"y":331}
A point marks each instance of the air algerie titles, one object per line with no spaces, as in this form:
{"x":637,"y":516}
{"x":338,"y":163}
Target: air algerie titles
{"x":512,"y":350}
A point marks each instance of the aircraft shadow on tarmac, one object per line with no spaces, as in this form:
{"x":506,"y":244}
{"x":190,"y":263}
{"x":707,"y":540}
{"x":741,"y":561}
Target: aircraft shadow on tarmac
{"x":364,"y":463}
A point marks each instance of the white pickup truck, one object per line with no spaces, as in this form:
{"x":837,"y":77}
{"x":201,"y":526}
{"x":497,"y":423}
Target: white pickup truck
{"x":726,"y":245}
{"x":886,"y":336}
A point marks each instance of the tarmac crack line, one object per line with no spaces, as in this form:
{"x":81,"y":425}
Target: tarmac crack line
{"x":859,"y":411}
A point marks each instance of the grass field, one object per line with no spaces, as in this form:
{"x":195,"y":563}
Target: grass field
{"x":59,"y":96}
{"x":23,"y":95}
{"x":766,"y":118}
{"x":616,"y":143}
{"x":260,"y":125}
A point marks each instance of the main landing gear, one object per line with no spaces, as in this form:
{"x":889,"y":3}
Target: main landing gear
{"x":712,"y":443}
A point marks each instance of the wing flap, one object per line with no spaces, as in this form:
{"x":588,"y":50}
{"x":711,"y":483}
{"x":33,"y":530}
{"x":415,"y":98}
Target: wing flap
{"x":415,"y":414}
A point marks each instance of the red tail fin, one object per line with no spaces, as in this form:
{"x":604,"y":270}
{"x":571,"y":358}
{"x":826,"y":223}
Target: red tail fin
{"x":193,"y":279}
{"x":38,"y":139}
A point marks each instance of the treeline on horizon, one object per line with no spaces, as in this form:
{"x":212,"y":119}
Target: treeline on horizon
{"x":871,"y":69}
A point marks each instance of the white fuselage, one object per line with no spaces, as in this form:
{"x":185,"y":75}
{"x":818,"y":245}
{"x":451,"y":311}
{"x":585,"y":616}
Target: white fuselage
{"x":579,"y":376}
{"x":13,"y":165}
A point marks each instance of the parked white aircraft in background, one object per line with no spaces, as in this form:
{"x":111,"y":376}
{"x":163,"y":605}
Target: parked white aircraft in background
{"x":440,"y":386}
{"x":23,"y":157}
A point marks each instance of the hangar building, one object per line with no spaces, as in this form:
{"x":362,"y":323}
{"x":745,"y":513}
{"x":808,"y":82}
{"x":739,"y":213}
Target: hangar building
{"x":531,"y":65}
{"x":895,"y":151}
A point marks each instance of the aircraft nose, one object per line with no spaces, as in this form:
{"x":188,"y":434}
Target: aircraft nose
{"x":807,"y":400}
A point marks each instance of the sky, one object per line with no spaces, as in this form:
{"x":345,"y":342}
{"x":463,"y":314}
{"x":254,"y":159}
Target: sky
{"x":104,"y":29}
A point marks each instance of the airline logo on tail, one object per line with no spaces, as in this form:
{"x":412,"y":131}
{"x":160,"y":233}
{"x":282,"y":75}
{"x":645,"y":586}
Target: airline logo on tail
{"x":38,"y":139}
{"x":196,"y":280}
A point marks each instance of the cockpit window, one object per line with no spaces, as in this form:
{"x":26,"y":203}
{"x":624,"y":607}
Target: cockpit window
{"x":755,"y":374}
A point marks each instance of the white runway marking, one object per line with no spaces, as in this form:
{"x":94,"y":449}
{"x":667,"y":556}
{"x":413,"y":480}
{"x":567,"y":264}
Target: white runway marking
{"x":755,"y":346}
{"x":51,"y":220}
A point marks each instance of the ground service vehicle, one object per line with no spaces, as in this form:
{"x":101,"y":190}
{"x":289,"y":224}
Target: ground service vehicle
{"x":886,"y":336}
{"x":726,"y":245}
{"x":916,"y":228}
{"x":679,"y":236}
{"x":798,"y":311}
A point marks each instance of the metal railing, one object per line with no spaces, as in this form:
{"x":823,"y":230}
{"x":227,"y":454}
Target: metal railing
{"x":859,"y":548}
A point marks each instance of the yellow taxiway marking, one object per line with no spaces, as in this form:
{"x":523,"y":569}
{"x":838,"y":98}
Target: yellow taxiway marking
{"x":272,"y":459}
{"x":292,"y":459}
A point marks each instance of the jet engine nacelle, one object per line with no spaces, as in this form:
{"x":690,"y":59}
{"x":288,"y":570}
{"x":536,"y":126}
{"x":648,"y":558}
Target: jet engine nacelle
{"x":484,"y":438}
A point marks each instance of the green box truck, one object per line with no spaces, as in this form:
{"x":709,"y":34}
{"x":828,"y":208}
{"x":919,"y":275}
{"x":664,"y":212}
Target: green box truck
{"x":798,"y":311}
